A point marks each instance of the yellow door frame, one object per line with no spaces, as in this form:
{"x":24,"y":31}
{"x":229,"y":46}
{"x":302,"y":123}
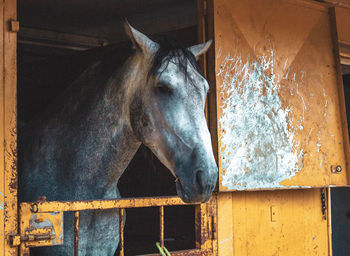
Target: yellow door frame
{"x":8,"y":124}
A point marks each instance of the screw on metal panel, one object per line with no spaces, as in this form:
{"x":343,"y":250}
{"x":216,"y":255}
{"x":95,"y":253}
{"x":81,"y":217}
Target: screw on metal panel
{"x":336,"y":169}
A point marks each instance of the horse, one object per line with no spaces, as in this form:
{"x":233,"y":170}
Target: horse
{"x":80,"y":146}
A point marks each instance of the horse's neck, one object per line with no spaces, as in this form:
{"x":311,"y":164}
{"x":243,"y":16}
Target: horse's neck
{"x":99,"y":144}
{"x":122,"y":149}
{"x":112,"y":116}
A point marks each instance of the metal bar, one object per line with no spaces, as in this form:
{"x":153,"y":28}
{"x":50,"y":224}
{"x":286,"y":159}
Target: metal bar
{"x":76,"y":233}
{"x":161,"y":223}
{"x":24,"y":251}
{"x":198,"y":227}
{"x":121,"y":228}
{"x":64,"y":206}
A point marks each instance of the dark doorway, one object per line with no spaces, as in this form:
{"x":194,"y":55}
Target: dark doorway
{"x":340,"y":197}
{"x":58,"y":40}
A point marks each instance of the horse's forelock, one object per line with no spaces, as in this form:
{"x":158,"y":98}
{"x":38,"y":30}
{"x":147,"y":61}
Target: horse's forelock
{"x":171,"y":49}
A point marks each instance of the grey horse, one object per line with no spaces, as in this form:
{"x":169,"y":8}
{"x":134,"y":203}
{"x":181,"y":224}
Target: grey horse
{"x":79,"y":147}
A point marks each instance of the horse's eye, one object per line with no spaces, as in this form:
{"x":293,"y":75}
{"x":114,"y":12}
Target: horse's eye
{"x":164,"y":88}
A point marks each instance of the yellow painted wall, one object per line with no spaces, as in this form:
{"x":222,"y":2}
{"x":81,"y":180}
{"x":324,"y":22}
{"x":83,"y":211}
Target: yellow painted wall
{"x":246,"y":225}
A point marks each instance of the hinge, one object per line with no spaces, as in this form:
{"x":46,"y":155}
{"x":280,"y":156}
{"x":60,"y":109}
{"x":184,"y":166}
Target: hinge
{"x":324,"y":203}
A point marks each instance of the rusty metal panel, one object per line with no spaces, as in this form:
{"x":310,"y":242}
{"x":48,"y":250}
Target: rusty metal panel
{"x":40,"y":229}
{"x":280,"y":122}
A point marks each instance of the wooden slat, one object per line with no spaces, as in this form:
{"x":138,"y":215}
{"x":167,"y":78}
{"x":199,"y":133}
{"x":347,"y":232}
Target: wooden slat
{"x":342,"y":16}
{"x":344,"y":52}
{"x":340,"y":3}
{"x":212,"y":103}
{"x":202,"y":37}
{"x":343,"y":21}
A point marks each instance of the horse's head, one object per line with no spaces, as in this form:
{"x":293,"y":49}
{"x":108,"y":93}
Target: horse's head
{"x":167,"y":113}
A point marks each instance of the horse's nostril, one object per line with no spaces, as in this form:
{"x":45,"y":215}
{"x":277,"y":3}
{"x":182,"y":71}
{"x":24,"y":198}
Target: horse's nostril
{"x":199,"y":181}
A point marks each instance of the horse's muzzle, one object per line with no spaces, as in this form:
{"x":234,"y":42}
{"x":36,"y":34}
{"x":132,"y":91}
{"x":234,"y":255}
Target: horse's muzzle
{"x":198,"y":189}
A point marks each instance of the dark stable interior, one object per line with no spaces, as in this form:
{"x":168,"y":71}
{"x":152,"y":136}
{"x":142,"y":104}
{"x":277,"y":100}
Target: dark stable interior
{"x":58,"y":41}
{"x":340,"y":204}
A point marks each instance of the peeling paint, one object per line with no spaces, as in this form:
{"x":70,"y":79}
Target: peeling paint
{"x":318,"y":144}
{"x":309,"y":135}
{"x":326,"y":103}
{"x":2,"y":202}
{"x":50,"y":222}
{"x":256,"y":133}
{"x":225,"y":240}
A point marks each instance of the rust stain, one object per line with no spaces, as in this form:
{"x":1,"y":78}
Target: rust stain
{"x":13,"y":183}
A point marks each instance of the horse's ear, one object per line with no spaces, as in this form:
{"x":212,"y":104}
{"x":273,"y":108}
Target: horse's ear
{"x":139,"y":40}
{"x":200,"y":49}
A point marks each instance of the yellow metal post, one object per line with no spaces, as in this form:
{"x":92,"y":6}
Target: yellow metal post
{"x":76,"y":233}
{"x":2,"y":133}
{"x":8,"y":124}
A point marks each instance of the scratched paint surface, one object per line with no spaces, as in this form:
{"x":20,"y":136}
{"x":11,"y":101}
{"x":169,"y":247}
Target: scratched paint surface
{"x":257,"y":133}
{"x":46,"y":222}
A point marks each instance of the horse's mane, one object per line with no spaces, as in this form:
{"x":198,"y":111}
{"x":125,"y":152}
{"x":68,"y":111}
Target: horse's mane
{"x":172,"y":49}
